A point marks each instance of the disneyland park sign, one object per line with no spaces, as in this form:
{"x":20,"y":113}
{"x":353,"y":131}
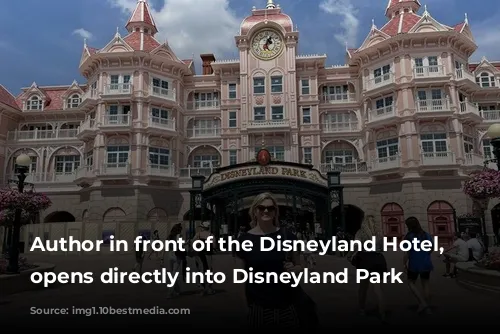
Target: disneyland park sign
{"x":269,"y":171}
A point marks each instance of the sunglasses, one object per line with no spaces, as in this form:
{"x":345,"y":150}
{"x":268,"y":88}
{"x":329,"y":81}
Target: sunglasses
{"x":263,"y":208}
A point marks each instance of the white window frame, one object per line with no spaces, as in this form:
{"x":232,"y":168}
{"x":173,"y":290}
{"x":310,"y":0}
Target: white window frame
{"x":435,"y":102}
{"x":73,"y":101}
{"x":436,"y":140}
{"x":339,"y":156}
{"x":35,"y":102}
{"x":259,"y":113}
{"x":276,"y":84}
{"x":160,"y":89}
{"x":89,"y":158}
{"x":161,"y":154}
{"x":336,"y":93}
{"x":232,"y":91}
{"x":206,"y":161}
{"x":206,"y":99}
{"x":233,"y":157}
{"x":277,"y":113}
{"x":63,"y":161}
{"x":341,"y":121}
{"x":162,"y":115}
{"x":123,"y":80}
{"x":487,"y":148}
{"x":307,"y":154}
{"x":431,"y":62}
{"x":489,"y":83}
{"x":305,"y":86}
{"x":306,"y":115}
{"x":382,"y":73}
{"x":469,"y":144}
{"x":259,"y":85}
{"x":122,"y":155}
{"x":387,"y":148}
{"x":232,"y":119}
{"x":387,"y":107}
{"x":204,"y":127}
{"x":115,"y":112}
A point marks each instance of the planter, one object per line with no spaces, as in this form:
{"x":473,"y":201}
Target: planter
{"x":476,"y":278}
{"x":21,"y":282}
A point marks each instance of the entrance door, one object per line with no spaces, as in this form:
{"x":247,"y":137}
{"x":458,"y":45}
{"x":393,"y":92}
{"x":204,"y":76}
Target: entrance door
{"x":393,"y":220}
{"x":441,"y":222}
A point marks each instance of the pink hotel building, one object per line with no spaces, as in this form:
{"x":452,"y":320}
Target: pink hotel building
{"x":404,"y":120}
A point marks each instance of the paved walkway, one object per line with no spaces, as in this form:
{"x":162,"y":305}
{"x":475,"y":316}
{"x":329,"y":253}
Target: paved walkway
{"x":336,"y":302}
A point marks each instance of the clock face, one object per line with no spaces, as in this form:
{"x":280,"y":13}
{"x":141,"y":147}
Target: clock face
{"x":267,"y":44}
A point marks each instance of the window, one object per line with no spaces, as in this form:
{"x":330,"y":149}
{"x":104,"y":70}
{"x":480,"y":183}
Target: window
{"x":468,"y":144}
{"x":304,"y":84}
{"x":233,"y":157}
{"x":34,"y":103}
{"x":162,"y":116}
{"x":426,"y":65}
{"x":382,"y":74}
{"x":433,"y":142}
{"x":67,"y":163}
{"x":74,"y":101}
{"x":160,"y":87}
{"x":487,"y":149}
{"x":277,"y":113}
{"x":306,"y":115}
{"x":231,"y":89}
{"x":384,"y":105}
{"x":32,"y":167}
{"x":277,"y":84}
{"x":277,"y":152}
{"x":430,"y":100}
{"x":486,"y":80}
{"x":308,"y":156}
{"x":341,"y":121}
{"x":159,"y":157}
{"x":204,"y":127}
{"x":118,"y":114}
{"x":232,"y":121}
{"x":119,"y":83}
{"x":89,"y":158}
{"x":259,"y":113}
{"x":259,"y":86}
{"x":387,"y":149}
{"x":117,"y":156}
{"x":206,"y":161}
{"x":458,"y":65}
{"x":339,"y":156}
{"x":206,"y":100}
{"x":336,"y":93}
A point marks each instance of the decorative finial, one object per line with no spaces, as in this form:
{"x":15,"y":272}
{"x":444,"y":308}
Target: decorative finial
{"x":425,"y":10}
{"x":254,"y":8}
{"x":296,"y":27}
{"x":85,"y":42}
{"x":117,"y":35}
{"x":466,"y":19}
{"x":270,"y":4}
{"x":346,"y":47}
{"x":373,"y":24}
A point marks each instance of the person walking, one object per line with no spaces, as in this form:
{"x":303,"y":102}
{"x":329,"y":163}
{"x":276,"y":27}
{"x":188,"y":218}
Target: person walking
{"x":418,"y":263}
{"x":174,"y":261}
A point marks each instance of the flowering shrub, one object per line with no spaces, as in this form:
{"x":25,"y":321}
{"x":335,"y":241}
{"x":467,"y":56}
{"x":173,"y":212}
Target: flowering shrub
{"x":491,"y":260}
{"x":29,"y":202}
{"x":483,"y":185}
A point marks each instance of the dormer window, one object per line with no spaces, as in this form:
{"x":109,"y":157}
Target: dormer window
{"x":74,"y":101}
{"x":486,"y":80}
{"x":34,"y":103}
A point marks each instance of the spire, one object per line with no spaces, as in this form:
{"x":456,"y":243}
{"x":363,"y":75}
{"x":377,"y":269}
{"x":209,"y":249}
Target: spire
{"x":466,"y":19}
{"x":270,"y":4}
{"x":395,"y":7}
{"x":141,"y":19}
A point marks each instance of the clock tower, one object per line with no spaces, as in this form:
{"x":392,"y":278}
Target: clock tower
{"x":267,"y":46}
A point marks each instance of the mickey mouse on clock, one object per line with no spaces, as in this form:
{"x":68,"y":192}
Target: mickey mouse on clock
{"x":267,"y":44}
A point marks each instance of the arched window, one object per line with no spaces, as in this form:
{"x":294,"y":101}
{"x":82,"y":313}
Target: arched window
{"x":74,"y":101}
{"x":485,"y":80}
{"x":34,"y":103}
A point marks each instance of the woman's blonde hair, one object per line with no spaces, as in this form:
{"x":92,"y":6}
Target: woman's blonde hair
{"x":369,"y":228}
{"x":256,"y":202}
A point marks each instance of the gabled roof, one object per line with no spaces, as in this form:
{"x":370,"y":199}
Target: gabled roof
{"x":142,"y":16}
{"x":141,"y":42}
{"x":7,"y":98}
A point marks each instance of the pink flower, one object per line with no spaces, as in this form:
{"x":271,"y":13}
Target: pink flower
{"x":29,"y":202}
{"x":483,"y":185}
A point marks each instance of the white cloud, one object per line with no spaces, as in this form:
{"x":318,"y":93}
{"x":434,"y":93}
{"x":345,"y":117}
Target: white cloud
{"x":192,"y":26}
{"x":349,"y":25}
{"x":83,"y":33}
{"x":487,"y":37}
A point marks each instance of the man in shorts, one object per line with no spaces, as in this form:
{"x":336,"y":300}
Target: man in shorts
{"x":459,"y":252}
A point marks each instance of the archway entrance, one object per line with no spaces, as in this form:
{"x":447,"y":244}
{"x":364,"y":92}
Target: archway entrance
{"x":301,"y":191}
{"x":441,"y":218}
{"x":393,"y":220}
{"x":60,"y":217}
{"x":495,"y":218}
{"x":353,"y":218}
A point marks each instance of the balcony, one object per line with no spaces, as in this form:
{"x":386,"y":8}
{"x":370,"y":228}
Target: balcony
{"x":157,"y":171}
{"x":384,"y":164}
{"x":433,"y":72}
{"x":47,"y":177}
{"x":468,"y":109}
{"x":190,"y":171}
{"x":116,"y":122}
{"x":270,"y":124}
{"x":115,"y":170}
{"x":118,"y":90}
{"x":353,"y":167}
{"x":433,"y":107}
{"x":32,"y":135}
{"x":163,"y":94}
{"x":87,"y":128}
{"x":340,"y":127}
{"x":203,"y":133}
{"x":89,"y":99}
{"x":84,"y":176}
{"x":338,"y":98}
{"x":161,"y":126}
{"x":492,"y":116}
{"x":474,"y":160}
{"x":381,"y":114}
{"x":379,"y":82}
{"x":204,"y":105}
{"x":438,"y":159}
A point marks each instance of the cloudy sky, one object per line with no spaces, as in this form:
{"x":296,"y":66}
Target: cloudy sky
{"x":44,"y":44}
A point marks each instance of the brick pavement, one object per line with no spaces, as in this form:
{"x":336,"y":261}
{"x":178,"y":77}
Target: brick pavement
{"x":336,"y":302}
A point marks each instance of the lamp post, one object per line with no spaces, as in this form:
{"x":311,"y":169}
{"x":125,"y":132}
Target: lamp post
{"x":195,"y":197}
{"x":23,"y":162}
{"x":494,"y":134}
{"x":335,"y":195}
